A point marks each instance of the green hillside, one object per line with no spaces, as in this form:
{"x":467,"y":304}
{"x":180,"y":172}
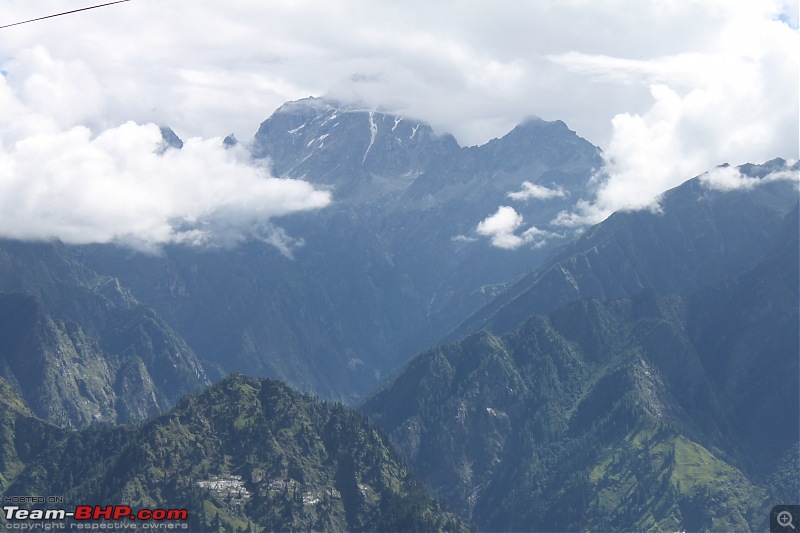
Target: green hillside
{"x":244,"y":455}
{"x":654,"y":412}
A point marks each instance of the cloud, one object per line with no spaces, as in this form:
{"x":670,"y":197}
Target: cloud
{"x":536,"y":192}
{"x":730,"y":103}
{"x":473,"y":69}
{"x":281,"y":240}
{"x":501,"y":227}
{"x":727,"y":178}
{"x":721,"y":178}
{"x":64,"y":182}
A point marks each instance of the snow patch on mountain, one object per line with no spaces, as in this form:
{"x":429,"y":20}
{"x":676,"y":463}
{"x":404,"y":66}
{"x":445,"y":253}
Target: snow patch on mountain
{"x":373,"y":129}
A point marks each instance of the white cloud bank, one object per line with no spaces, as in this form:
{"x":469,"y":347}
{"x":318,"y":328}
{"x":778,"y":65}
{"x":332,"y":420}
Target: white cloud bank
{"x":501,"y":229}
{"x":470,"y":67}
{"x":58,"y":180}
{"x":735,"y":101}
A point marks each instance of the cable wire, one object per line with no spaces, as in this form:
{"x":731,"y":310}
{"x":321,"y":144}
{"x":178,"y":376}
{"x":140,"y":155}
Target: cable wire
{"x":64,"y":13}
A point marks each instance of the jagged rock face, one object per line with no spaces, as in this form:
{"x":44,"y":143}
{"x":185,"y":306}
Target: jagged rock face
{"x":332,"y":144}
{"x":390,"y":266}
{"x":79,"y":348}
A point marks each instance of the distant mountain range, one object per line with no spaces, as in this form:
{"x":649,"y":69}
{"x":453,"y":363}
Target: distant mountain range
{"x":387,"y":269}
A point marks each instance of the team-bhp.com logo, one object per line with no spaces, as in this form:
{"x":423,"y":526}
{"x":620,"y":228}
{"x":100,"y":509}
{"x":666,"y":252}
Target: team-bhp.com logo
{"x":90,"y":517}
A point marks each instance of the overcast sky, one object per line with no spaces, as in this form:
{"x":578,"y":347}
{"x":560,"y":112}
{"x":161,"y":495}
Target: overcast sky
{"x":667,"y":88}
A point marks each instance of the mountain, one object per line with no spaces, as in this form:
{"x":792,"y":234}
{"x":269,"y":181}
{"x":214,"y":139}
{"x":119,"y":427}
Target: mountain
{"x":699,"y":236}
{"x":650,"y":411}
{"x":645,"y":376}
{"x":331,"y":300}
{"x":79,"y":348}
{"x":243,"y":455}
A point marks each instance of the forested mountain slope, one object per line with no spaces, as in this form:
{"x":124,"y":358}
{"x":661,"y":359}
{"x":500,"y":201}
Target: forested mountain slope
{"x":243,"y":455}
{"x":652,"y":411}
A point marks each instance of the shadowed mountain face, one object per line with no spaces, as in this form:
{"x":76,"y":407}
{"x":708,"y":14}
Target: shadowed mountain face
{"x":79,"y":348}
{"x":390,"y":266}
{"x":244,"y":455}
{"x":746,"y":329}
{"x":653,"y":411}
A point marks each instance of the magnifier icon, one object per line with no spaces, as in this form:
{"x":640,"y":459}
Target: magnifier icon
{"x":785,"y":519}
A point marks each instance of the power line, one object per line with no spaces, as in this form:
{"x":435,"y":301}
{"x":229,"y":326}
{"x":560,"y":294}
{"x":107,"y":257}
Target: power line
{"x":64,"y":13}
